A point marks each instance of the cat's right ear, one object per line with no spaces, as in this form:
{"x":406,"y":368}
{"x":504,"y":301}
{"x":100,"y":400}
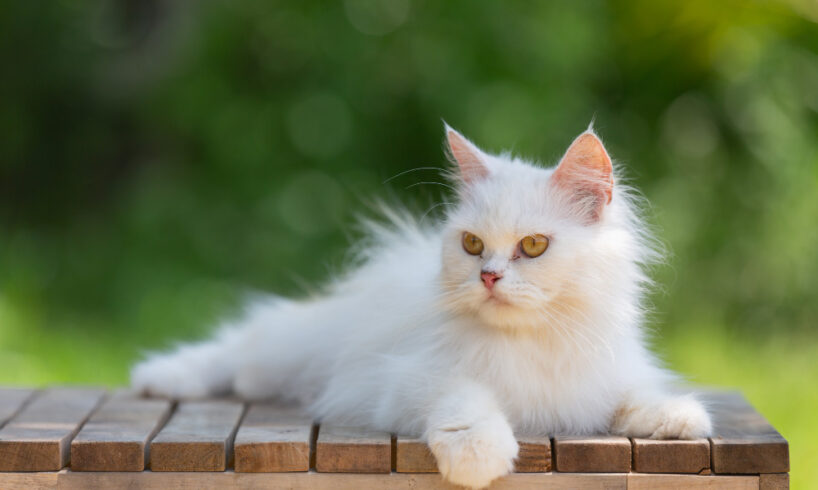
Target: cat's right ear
{"x":470,"y":160}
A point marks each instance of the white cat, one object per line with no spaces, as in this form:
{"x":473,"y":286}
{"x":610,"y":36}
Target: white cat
{"x":520,"y":312}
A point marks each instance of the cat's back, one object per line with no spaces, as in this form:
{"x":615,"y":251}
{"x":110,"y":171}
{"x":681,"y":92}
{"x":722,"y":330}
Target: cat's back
{"x":402,"y":260}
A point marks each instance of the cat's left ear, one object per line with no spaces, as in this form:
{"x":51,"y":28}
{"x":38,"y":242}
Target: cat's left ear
{"x":469,"y":158}
{"x":586,"y":173}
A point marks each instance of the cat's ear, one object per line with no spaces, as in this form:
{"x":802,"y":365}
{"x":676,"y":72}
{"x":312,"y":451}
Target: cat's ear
{"x":469,"y":158}
{"x":586,"y":173}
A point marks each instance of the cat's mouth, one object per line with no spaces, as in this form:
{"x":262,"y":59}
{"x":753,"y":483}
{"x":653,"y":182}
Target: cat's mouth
{"x":497,"y":300}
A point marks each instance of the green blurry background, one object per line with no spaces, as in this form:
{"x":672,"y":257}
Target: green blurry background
{"x":160,"y":158}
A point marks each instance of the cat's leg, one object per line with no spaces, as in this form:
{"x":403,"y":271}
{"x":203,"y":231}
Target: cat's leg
{"x":470,"y":437}
{"x":193,"y":370}
{"x":250,"y":356}
{"x":658,"y":414}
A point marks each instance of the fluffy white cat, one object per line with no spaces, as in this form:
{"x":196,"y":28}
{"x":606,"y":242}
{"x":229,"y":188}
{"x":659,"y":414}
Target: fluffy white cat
{"x":521,"y":312}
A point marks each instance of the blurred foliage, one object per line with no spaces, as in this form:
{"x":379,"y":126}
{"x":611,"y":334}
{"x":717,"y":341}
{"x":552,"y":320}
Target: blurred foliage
{"x":158,"y":158}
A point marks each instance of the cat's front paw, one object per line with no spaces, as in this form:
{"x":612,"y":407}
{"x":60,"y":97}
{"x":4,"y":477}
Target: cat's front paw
{"x":167,"y":376}
{"x":680,"y":417}
{"x":474,"y":455}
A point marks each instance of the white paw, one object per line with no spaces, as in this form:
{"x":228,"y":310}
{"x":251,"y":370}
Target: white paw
{"x":682,"y":418}
{"x":475,"y":455}
{"x":169,"y":377}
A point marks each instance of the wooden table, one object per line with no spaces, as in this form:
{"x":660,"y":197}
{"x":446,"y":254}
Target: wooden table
{"x":65,"y":437}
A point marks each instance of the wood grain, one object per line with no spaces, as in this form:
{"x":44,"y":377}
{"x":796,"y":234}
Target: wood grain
{"x":116,"y":436}
{"x":649,"y":481}
{"x":671,"y":456}
{"x":534,"y":455}
{"x":11,"y":401}
{"x":774,"y":481}
{"x":38,"y":437}
{"x":608,"y":454}
{"x":198,"y":437}
{"x":743,"y":441}
{"x":273,"y":439}
{"x":352,"y":450}
{"x":412,"y":455}
{"x":228,"y":480}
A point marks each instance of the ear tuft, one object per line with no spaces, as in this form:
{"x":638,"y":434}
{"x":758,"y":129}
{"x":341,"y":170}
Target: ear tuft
{"x":586,"y":172}
{"x":468,"y":157}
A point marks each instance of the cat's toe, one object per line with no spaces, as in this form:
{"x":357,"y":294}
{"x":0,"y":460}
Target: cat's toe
{"x":474,"y":456}
{"x":683,"y":418}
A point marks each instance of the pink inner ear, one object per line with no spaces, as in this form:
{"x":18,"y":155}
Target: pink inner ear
{"x":466,"y":156}
{"x":586,"y":170}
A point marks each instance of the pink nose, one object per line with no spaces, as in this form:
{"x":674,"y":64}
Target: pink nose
{"x":489,"y":278}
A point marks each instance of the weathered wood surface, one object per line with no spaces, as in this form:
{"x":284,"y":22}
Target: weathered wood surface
{"x":116,"y":436}
{"x":11,"y":401}
{"x":608,"y":454}
{"x":148,"y":480}
{"x":280,"y":447}
{"x":39,"y":437}
{"x":649,"y":481}
{"x":743,"y":441}
{"x":198,"y":437}
{"x":412,"y":455}
{"x":273,"y":439}
{"x":352,"y":450}
{"x":534,"y":455}
{"x":774,"y":481}
{"x":652,"y":456}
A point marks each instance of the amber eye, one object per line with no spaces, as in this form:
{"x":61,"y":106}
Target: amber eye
{"x":534,"y":245}
{"x":472,"y":244}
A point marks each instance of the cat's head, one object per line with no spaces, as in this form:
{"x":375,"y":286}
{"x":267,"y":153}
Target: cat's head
{"x":528,"y":246}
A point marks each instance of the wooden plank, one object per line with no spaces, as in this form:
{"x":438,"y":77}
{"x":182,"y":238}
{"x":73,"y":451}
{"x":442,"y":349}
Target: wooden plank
{"x":412,"y":455}
{"x":534,"y":455}
{"x":743,"y":441}
{"x":11,"y":401}
{"x":38,"y":437}
{"x":342,"y":449}
{"x":607,"y":454}
{"x":273,"y":439}
{"x":774,"y":481}
{"x":651,"y":481}
{"x":229,"y":480}
{"x":116,"y":436}
{"x":198,"y":437}
{"x":671,"y":456}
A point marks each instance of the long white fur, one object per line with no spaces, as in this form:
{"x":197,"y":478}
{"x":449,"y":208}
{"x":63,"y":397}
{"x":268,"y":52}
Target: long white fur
{"x":408,"y":342}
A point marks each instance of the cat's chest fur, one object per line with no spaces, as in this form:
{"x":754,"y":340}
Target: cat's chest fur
{"x":545,"y":385}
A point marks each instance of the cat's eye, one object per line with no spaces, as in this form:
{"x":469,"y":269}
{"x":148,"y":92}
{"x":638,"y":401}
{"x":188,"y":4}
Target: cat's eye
{"x":534,"y":245}
{"x":472,"y":244}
